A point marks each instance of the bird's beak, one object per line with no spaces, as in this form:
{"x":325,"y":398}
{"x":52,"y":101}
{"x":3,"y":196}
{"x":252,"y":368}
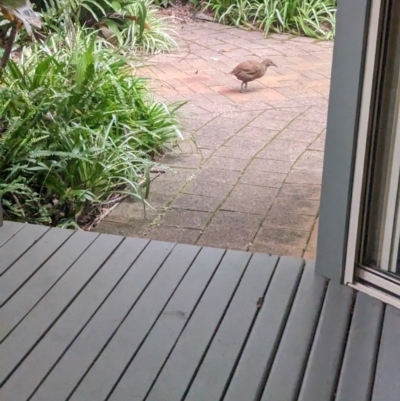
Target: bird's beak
{"x":272,"y":63}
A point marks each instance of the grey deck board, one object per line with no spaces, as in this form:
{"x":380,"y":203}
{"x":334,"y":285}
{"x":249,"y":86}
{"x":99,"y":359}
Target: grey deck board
{"x":34,"y":290}
{"x":184,"y":359}
{"x":217,"y":366}
{"x":88,"y":316}
{"x":62,"y":380}
{"x":288,"y":368}
{"x":143,"y":370}
{"x":8,"y":230}
{"x":15,"y":247}
{"x":103,"y":375}
{"x":328,"y":346}
{"x":31,"y":261}
{"x":387,"y":379}
{"x":18,"y":344}
{"x":256,"y":360}
{"x":63,"y":332}
{"x":361,"y":351}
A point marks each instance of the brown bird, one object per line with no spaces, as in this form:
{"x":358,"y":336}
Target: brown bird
{"x":251,"y":70}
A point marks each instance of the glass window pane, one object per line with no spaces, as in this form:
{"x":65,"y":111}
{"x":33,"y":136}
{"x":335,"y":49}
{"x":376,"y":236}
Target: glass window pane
{"x":398,"y":260}
{"x":379,"y":193}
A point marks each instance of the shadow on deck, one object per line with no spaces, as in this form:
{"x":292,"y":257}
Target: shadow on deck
{"x":94,"y":317}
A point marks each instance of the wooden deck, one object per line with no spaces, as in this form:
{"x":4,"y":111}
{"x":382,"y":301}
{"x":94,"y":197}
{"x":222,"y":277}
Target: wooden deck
{"x":89,"y":317}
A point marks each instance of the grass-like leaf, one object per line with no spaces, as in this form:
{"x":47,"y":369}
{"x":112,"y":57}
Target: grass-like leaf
{"x":77,"y":126}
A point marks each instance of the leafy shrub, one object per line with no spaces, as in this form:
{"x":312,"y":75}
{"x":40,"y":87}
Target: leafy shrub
{"x":76,"y":128}
{"x":314,"y":18}
{"x":157,"y":37}
{"x":131,"y":23}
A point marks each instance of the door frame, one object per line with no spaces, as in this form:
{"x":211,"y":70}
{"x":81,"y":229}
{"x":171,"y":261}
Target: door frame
{"x":347,"y":79}
{"x":372,"y":281}
{"x":362,"y":137}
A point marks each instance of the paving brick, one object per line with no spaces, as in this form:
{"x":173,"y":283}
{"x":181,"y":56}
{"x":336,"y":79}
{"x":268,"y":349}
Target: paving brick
{"x":169,"y":186}
{"x":257,"y":133}
{"x":304,"y":177}
{"x":237,"y":54}
{"x":206,"y":188}
{"x":318,"y":144}
{"x":299,"y":136}
{"x":199,"y":87}
{"x":258,"y":154}
{"x":299,"y":191}
{"x":233,"y":124}
{"x":158,"y":201}
{"x":312,"y":155}
{"x":291,"y":205}
{"x":270,"y":124}
{"x":174,"y":160}
{"x":262,"y":178}
{"x":235,"y":153}
{"x":230,"y":230}
{"x":138,"y":229}
{"x":205,"y":153}
{"x":132,"y":213}
{"x":287,"y":103}
{"x":184,"y":90}
{"x":277,"y":218}
{"x":196,"y":202}
{"x":282,"y":236}
{"x":209,"y":141}
{"x":288,"y":92}
{"x":269,"y":165}
{"x":218,"y":175}
{"x":276,"y":249}
{"x":310,"y":165}
{"x":185,"y":218}
{"x":309,"y":255}
{"x":312,"y":243}
{"x":282,"y":149}
{"x":285,"y":113}
{"x":241,"y":115}
{"x":226,"y":163}
{"x":173,"y":234}
{"x":250,"y":199}
{"x":304,"y":125}
{"x":244,"y":143}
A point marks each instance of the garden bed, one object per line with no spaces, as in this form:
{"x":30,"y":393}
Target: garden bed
{"x":79,"y":129}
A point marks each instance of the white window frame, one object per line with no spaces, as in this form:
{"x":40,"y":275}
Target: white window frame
{"x":366,"y":99}
{"x":390,"y":228}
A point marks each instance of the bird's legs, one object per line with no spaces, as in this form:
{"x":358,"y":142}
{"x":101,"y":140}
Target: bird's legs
{"x":241,"y":87}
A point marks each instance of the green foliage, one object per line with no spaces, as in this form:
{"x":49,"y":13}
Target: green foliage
{"x":131,"y":23}
{"x":125,"y":24}
{"x":163,"y":3}
{"x":76,"y":127}
{"x":157,"y":37}
{"x":313,"y":18}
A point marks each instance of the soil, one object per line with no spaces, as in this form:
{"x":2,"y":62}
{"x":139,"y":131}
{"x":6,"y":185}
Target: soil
{"x":182,"y":13}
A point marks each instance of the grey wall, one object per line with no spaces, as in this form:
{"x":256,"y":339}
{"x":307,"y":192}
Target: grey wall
{"x":344,"y":105}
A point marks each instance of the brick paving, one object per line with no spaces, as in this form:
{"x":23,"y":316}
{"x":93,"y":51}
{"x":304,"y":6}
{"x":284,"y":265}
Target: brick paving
{"x":248,"y":174}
